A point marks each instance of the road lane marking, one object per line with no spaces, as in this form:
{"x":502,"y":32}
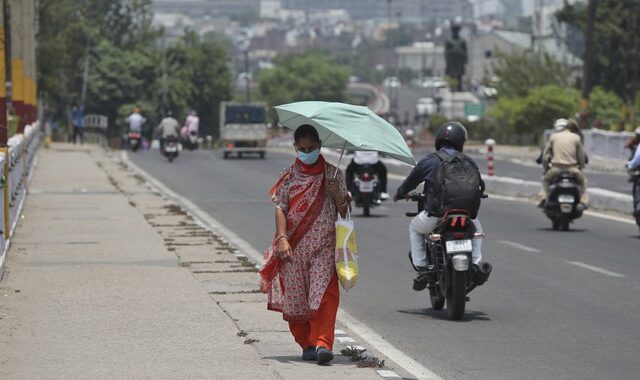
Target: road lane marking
{"x":388,"y":374}
{"x":373,"y":339}
{"x":519,"y":246}
{"x":596,"y":269}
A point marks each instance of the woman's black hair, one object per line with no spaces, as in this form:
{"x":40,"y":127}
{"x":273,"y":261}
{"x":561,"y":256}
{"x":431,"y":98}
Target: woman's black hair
{"x":306,"y":131}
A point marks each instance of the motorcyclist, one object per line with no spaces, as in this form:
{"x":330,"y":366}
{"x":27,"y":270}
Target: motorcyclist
{"x":632,"y":144}
{"x":191,"y":123}
{"x":564,"y":152}
{"x":368,"y":158}
{"x":168,"y":126}
{"x":450,"y":138}
{"x":136,"y":121}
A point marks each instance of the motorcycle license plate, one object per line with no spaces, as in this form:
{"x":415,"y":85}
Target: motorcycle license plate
{"x":171,"y":149}
{"x":454,"y":246}
{"x":563,"y":198}
{"x":366,"y":187}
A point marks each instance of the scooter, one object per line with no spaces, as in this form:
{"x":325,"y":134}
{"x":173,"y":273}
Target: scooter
{"x":366,"y":189}
{"x":134,"y":141}
{"x":170,"y":149}
{"x":452,"y":275}
{"x":562,"y":207}
{"x":634,"y":177}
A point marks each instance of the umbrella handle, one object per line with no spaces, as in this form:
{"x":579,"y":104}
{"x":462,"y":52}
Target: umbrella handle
{"x":335,"y":175}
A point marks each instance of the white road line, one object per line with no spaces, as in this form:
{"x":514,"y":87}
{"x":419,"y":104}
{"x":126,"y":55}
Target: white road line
{"x":339,"y":332}
{"x":388,"y":374}
{"x":518,"y":245}
{"x":596,"y":269}
{"x":387,"y":349}
{"x":345,"y":339}
{"x":371,"y":337}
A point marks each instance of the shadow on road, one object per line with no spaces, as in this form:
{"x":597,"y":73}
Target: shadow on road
{"x":361,"y":216}
{"x":549,"y":229}
{"x":442,"y":314}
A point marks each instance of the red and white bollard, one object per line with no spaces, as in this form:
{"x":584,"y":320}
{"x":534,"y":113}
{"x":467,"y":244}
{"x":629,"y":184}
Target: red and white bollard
{"x":490,"y":168}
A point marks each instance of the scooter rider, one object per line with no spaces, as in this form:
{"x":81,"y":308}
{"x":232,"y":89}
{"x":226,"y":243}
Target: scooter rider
{"x":136,"y":120}
{"x":564,"y":152}
{"x":634,"y":162}
{"x":368,"y":158}
{"x":168,"y":126}
{"x":191,"y":123}
{"x":450,"y":138}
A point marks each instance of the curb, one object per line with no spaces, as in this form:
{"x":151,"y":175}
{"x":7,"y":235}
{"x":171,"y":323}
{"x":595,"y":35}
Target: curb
{"x":369,"y":336}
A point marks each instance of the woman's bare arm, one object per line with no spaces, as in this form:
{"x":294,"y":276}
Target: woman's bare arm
{"x":284,"y":249}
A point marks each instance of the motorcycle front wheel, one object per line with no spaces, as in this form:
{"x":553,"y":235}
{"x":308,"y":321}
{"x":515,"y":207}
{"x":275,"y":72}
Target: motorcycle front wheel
{"x":456,"y":297}
{"x":366,"y":204}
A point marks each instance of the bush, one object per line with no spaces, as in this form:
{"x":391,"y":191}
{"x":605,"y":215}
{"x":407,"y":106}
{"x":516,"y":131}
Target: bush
{"x":605,"y":106}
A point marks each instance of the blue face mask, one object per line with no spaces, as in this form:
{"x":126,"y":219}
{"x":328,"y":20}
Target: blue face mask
{"x":309,"y":158}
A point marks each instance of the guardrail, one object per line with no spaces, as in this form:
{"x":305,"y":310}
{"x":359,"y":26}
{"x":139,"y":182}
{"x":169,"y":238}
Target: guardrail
{"x":603,"y":144}
{"x":95,"y":129}
{"x":17,"y":162}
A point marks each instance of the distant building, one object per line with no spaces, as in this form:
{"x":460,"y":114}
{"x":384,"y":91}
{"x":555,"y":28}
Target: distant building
{"x":483,"y":51}
{"x":422,"y":57}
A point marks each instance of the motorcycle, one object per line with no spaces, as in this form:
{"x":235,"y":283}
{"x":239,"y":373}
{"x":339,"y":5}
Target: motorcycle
{"x":634,"y":177}
{"x":191,"y":140}
{"x":453,"y":275}
{"x":170,"y":149}
{"x":366,"y":189}
{"x":134,"y":141}
{"x":564,"y":198}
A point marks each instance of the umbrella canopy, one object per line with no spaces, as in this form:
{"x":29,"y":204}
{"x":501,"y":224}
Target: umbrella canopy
{"x":345,"y":126}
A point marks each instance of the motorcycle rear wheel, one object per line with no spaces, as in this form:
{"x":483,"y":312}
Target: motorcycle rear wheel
{"x":456,"y":296}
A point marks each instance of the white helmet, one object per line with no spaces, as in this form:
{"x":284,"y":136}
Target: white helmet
{"x":560,"y":124}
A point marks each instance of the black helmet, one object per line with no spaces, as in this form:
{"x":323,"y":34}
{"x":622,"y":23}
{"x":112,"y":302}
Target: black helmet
{"x":453,"y":134}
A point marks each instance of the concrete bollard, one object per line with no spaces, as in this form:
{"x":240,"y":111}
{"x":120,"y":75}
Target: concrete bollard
{"x":490,"y":168}
{"x":209,"y":141}
{"x":200,"y":141}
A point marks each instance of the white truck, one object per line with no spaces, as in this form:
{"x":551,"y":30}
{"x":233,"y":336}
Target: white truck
{"x":243,"y":128}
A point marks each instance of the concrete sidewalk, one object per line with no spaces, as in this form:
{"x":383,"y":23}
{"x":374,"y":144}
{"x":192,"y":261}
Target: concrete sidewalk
{"x":106,"y":279}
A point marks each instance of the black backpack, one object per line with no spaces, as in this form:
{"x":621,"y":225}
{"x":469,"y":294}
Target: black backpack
{"x":458,"y":185}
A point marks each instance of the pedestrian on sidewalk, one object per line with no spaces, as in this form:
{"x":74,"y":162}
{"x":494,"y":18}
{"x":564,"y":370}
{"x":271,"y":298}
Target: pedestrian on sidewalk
{"x":77,"y":115}
{"x":299,"y":276}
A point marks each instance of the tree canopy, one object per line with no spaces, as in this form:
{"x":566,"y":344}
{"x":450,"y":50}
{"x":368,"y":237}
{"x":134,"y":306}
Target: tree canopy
{"x":125,"y":55}
{"x":304,"y":77}
{"x":616,"y":50}
{"x":520,"y":73}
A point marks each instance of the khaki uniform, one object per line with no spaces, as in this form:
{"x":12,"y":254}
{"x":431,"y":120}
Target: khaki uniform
{"x":564,"y":152}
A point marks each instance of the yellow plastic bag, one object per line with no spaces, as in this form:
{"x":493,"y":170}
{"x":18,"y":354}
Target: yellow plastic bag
{"x":346,"y":252}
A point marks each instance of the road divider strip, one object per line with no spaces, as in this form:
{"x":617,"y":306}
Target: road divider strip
{"x":596,"y":269}
{"x":359,"y":328}
{"x":519,"y":246}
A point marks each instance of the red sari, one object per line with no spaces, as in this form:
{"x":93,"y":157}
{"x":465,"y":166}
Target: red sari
{"x":296,"y":287}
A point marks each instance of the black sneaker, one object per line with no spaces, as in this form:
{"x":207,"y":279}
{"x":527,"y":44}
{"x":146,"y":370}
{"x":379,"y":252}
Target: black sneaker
{"x":425,"y":275}
{"x":324,"y":355}
{"x":309,"y":354}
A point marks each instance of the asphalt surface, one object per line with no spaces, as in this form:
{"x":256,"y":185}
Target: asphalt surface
{"x":542,"y":315}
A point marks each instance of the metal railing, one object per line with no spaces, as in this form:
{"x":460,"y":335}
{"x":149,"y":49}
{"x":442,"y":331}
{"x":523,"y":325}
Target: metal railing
{"x":95,"y":129}
{"x":17,"y":161}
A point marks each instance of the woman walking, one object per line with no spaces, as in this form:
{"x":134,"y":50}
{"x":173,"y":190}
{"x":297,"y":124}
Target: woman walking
{"x":299,"y":276}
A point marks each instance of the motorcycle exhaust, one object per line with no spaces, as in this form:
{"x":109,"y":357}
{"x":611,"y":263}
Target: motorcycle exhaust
{"x":481,"y":273}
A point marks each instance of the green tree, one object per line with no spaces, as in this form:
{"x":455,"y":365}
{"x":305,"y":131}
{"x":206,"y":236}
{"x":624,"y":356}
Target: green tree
{"x":532,"y":114}
{"x":304,"y":77}
{"x":605,"y":107}
{"x":520,"y":73}
{"x":616,"y":51}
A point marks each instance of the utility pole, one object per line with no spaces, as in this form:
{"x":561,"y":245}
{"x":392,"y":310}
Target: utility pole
{"x":85,"y":77}
{"x":3,"y":81}
{"x":389,"y":14}
{"x":164,"y":77}
{"x":247,"y":72}
{"x":588,"y":57}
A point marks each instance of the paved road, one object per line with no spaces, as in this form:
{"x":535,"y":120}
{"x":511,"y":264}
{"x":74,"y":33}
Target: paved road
{"x":559,"y":305}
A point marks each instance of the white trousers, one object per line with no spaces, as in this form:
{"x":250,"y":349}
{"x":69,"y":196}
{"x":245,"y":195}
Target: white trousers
{"x":423,"y":224}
